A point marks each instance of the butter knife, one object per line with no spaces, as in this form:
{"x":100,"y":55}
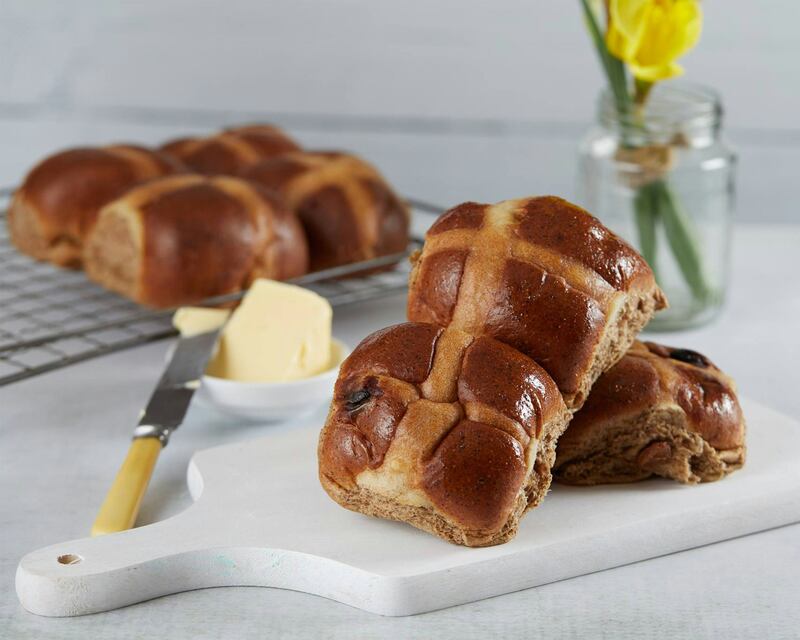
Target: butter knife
{"x":159,"y":420}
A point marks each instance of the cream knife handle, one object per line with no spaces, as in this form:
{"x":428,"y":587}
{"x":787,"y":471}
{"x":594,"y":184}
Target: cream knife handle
{"x":121,"y":506}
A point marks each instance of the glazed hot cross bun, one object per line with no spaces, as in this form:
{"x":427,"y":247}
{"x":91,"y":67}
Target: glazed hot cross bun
{"x":348,"y":210}
{"x":659,"y":411}
{"x":182,"y":239}
{"x":231,"y":151}
{"x":541,"y":275}
{"x":57,"y":204}
{"x":450,"y":433}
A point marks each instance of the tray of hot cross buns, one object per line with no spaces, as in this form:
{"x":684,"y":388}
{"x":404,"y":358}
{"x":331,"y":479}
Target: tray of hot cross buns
{"x":99,"y":244}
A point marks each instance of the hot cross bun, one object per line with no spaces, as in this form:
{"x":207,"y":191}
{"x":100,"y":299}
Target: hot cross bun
{"x":541,"y":275}
{"x":349,"y":212}
{"x":57,"y":204}
{"x":231,"y":151}
{"x":659,"y":411}
{"x":450,"y":433}
{"x":185,"y":238}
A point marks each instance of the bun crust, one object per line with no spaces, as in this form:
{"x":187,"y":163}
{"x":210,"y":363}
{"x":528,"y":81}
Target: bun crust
{"x":450,"y":433}
{"x":185,"y":238}
{"x":231,"y":151}
{"x":541,"y":275}
{"x":349,"y":212}
{"x":57,"y":204}
{"x":659,"y":411}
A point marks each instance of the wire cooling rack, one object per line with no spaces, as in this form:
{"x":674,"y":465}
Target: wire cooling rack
{"x":52,"y":318}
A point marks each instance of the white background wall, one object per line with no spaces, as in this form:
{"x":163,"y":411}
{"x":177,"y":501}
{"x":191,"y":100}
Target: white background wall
{"x":452,"y":99}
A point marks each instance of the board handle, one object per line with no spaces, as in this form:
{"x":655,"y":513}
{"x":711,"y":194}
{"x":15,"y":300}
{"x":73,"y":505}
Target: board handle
{"x":121,"y":505}
{"x":109,"y":571}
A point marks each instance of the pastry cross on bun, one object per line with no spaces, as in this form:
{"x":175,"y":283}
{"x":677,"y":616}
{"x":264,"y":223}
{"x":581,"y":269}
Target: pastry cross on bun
{"x":57,"y":204}
{"x":185,"y":238}
{"x":541,"y":275}
{"x":349,"y":212}
{"x":231,"y":151}
{"x":658,"y":412}
{"x":450,"y":433}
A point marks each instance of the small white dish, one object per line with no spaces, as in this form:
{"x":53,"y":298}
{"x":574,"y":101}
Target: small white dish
{"x":273,"y":401}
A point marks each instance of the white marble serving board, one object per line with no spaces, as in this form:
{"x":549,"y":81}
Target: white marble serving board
{"x":260,"y":518}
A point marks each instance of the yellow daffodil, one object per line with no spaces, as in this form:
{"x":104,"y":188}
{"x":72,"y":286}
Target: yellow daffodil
{"x":650,"y":35}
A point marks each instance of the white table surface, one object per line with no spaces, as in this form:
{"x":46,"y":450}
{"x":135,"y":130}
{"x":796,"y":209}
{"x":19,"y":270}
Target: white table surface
{"x":63,"y":435}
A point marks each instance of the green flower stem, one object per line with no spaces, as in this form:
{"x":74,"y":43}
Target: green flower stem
{"x":682,"y":240}
{"x":645,"y":204}
{"x":615,"y":70}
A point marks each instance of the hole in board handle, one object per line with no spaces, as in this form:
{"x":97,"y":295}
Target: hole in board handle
{"x":69,"y":558}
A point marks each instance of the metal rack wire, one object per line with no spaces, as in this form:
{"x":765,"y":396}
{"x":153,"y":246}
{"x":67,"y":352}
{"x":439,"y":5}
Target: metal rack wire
{"x":52,"y":318}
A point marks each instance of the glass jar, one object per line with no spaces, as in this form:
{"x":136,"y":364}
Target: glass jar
{"x":662,"y":177}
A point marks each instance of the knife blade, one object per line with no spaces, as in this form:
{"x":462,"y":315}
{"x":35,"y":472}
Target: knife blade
{"x":170,"y":400}
{"x":160,"y":418}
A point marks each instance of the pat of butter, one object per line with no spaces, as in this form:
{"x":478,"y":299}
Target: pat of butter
{"x":191,"y":321}
{"x":279,"y":332}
